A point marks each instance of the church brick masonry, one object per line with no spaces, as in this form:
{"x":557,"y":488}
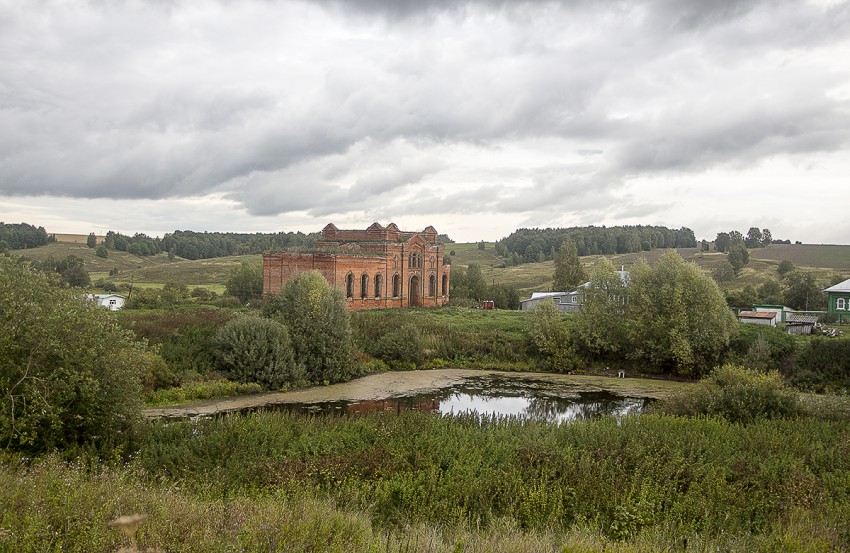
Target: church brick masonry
{"x":374,"y":268}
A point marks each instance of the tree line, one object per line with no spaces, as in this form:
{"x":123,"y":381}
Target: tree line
{"x":536,"y":245}
{"x":21,"y":236}
{"x":206,"y":245}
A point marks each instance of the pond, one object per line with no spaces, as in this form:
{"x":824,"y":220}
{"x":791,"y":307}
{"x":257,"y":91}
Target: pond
{"x":452,"y":391}
{"x":492,"y":395}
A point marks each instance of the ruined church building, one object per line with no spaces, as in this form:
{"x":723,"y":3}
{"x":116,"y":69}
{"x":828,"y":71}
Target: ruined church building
{"x":375,"y":268}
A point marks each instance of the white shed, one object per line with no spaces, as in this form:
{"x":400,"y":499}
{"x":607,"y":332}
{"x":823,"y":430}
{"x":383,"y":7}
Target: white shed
{"x":113,"y":302}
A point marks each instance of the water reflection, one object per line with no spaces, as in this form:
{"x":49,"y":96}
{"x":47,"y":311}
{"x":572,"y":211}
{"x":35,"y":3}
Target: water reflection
{"x":495,"y":395}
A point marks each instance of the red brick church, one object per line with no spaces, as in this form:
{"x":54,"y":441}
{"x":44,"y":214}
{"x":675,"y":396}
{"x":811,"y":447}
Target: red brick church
{"x":374,"y":268}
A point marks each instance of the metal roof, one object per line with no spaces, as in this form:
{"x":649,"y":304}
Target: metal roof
{"x":840,"y":287}
{"x":758,"y":314}
{"x":802,"y":319}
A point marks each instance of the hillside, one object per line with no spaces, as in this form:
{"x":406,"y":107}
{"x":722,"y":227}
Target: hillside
{"x":824,"y":260}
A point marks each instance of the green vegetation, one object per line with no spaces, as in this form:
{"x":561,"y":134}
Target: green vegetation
{"x":245,"y":283}
{"x":255,"y":349}
{"x":535,"y":245}
{"x":21,"y":236}
{"x":293,"y":482}
{"x":568,"y":270}
{"x":69,"y":376}
{"x":319,"y":326}
{"x":738,"y":395}
{"x":201,"y":389}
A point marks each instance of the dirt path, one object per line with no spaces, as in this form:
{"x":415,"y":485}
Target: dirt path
{"x":389,"y":384}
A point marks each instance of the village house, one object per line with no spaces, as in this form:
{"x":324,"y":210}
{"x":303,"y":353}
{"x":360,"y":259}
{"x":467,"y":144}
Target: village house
{"x":113,"y":302}
{"x":838,"y":300}
{"x":566,"y":302}
{"x":379,"y":267}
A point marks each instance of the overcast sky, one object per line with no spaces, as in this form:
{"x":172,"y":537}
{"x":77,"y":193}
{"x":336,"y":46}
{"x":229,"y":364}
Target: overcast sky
{"x":477,"y":117}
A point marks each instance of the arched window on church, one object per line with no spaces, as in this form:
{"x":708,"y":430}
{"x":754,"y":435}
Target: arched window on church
{"x":378,"y":290}
{"x":396,"y":282}
{"x":364,"y":285}
{"x":445,"y":287}
{"x":432,"y":284}
{"x":349,"y":285}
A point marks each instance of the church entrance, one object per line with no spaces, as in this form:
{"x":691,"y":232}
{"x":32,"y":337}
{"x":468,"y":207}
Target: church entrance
{"x":415,"y":300}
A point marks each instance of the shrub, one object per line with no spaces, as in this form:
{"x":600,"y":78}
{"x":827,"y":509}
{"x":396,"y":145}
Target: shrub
{"x":823,"y":365}
{"x":738,"y":395}
{"x":550,"y":337}
{"x":68,"y":374}
{"x":319,"y":326}
{"x":401,"y":343}
{"x":254,"y":349}
{"x":155,"y":373}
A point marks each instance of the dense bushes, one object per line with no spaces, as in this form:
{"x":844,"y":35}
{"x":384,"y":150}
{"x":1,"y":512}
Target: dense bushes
{"x":659,"y":476}
{"x":668,"y":317}
{"x":69,"y":375}
{"x":254,"y":349}
{"x":823,"y":365}
{"x":738,"y":395}
{"x":550,"y":337}
{"x":319,"y":326}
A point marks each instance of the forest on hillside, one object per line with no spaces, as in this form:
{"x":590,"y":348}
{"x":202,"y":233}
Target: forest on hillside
{"x":536,"y":245}
{"x":20,"y":236}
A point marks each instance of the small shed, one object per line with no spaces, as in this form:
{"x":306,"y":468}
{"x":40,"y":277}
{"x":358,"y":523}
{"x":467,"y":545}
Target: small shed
{"x":113,"y":302}
{"x":801,"y":324}
{"x":757,"y":318}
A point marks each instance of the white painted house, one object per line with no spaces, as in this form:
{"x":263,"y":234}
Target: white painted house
{"x":113,"y":302}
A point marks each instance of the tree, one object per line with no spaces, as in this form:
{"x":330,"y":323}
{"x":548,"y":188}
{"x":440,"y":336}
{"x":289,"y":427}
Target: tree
{"x":482,"y":245}
{"x":677,"y":317}
{"x":802,"y":291}
{"x":255,"y":349}
{"x":722,"y":242}
{"x":738,"y":256}
{"x":69,"y":375}
{"x":600,"y":325}
{"x":245,"y":282}
{"x":550,"y":337}
{"x":568,"y":270}
{"x":469,"y":283}
{"x":102,"y":252}
{"x":754,"y":238}
{"x":784,"y":268}
{"x":723,"y":272}
{"x":91,"y":241}
{"x":770,"y":292}
{"x":319,"y":327}
{"x":766,"y":238}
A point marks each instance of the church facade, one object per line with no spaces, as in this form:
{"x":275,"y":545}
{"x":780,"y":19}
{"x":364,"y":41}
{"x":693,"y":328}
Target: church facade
{"x":380,"y":267}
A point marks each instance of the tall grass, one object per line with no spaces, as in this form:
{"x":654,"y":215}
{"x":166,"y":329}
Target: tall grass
{"x":277,"y":481}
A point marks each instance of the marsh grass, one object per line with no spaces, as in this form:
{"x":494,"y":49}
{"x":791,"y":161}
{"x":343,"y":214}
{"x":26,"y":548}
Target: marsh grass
{"x":286,"y":482}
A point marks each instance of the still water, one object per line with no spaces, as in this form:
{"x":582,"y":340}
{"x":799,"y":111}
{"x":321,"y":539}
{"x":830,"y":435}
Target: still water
{"x":493,"y":395}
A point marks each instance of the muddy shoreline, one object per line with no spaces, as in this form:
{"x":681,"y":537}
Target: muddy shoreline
{"x":405,"y":383}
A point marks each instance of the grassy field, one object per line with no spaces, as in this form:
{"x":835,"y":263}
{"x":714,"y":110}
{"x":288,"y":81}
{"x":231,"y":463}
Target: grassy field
{"x":824,"y":261}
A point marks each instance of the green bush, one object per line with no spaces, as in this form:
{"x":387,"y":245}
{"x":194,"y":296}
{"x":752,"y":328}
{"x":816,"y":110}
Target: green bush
{"x":823,"y":365}
{"x":779,"y":345}
{"x":738,"y":395}
{"x":400,"y":344}
{"x":69,"y":375}
{"x":255,"y":349}
{"x":550,"y":337}
{"x":319,"y":326}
